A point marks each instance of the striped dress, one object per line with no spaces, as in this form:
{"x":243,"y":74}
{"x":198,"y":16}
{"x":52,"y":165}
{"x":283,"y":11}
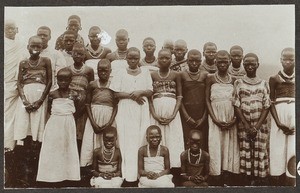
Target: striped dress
{"x":252,"y":97}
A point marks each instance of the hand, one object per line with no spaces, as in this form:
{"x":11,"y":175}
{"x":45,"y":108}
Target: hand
{"x":140,"y":100}
{"x":107,"y":176}
{"x":97,"y":129}
{"x":231,"y":123}
{"x":28,"y":106}
{"x":291,"y":131}
{"x":198,"y":123}
{"x":191,"y":122}
{"x":284,"y":128}
{"x":36,"y":105}
{"x":150,"y":175}
{"x":252,"y":132}
{"x":135,"y":95}
{"x":164,"y":121}
{"x":199,"y":178}
{"x":155,"y":176}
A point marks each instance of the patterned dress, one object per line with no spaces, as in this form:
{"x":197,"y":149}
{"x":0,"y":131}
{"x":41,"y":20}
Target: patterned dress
{"x":252,"y":97}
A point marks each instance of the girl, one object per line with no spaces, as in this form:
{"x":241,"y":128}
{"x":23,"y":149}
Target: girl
{"x":132,"y":86}
{"x":165,"y":104}
{"x":150,"y":61}
{"x":282,"y":134}
{"x":252,"y":102}
{"x":222,"y":142}
{"x":59,"y":158}
{"x":154,"y":162}
{"x":101,"y":109}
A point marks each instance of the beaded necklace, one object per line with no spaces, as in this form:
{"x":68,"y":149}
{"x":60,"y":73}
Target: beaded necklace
{"x":35,"y":63}
{"x":95,"y":54}
{"x":164,"y":77}
{"x":123,"y":53}
{"x":194,"y":155}
{"x":194,"y":73}
{"x":108,"y":152}
{"x":252,"y":81}
{"x":219,"y":80}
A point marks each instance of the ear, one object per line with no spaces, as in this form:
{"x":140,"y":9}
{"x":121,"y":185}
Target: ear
{"x":17,"y":30}
{"x":257,"y":64}
{"x":49,"y":37}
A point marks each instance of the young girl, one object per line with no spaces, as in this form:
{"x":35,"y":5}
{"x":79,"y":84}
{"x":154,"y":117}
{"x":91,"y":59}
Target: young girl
{"x":154,"y":162}
{"x":95,"y":51}
{"x":107,"y":162}
{"x":101,"y":109}
{"x":149,"y":61}
{"x":132,"y":86}
{"x":282,"y":134}
{"x":252,"y":102}
{"x":34,"y":83}
{"x":164,"y":107}
{"x":194,"y":162}
{"x":222,"y":135}
{"x":59,"y":159}
{"x":82,"y":75}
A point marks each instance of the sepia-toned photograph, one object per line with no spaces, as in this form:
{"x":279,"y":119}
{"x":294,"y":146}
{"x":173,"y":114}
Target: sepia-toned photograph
{"x":198,"y":96}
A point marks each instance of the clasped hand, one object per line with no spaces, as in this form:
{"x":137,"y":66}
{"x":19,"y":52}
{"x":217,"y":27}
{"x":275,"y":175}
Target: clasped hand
{"x":32,"y":107}
{"x":137,"y":96}
{"x":152,"y":175}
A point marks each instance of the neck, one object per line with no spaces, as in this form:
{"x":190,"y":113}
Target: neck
{"x":195,"y":151}
{"x":222,"y":73}
{"x":238,"y":65}
{"x":250,"y":75}
{"x":149,"y":58}
{"x":95,"y":47}
{"x":288,"y":72}
{"x":164,"y":69}
{"x":153,"y":148}
{"x":210,"y":62}
{"x":122,"y":49}
{"x":102,"y":81}
{"x":179,"y":59}
{"x":34,"y":57}
{"x":78,"y":65}
{"x":45,"y":46}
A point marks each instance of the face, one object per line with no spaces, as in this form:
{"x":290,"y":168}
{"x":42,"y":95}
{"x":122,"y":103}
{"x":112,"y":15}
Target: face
{"x":73,"y":25}
{"x":250,"y":65}
{"x":122,"y":41}
{"x":133,"y":58}
{"x":69,"y":41}
{"x":195,"y":142}
{"x":154,"y":138}
{"x":94,"y":37}
{"x":45,"y":36}
{"x":169,"y":47}
{"x":149,"y":47}
{"x":236,"y":56}
{"x":10,"y":30}
{"x":194,"y":61}
{"x":180,"y":51}
{"x":109,"y":140}
{"x":104,"y":71}
{"x":288,"y":60}
{"x":164,"y":59}
{"x":78,"y":55}
{"x":35,"y":46}
{"x":210,"y":52}
{"x":64,"y":80}
{"x":222,"y":63}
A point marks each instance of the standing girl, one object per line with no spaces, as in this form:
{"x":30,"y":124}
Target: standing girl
{"x":164,"y":107}
{"x":223,"y":139}
{"x":252,"y":102}
{"x":59,"y":158}
{"x":132,"y":86}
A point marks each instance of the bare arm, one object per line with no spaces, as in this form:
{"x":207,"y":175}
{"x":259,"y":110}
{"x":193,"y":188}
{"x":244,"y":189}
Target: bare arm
{"x":96,"y":127}
{"x":141,"y":169}
{"x":166,"y":156}
{"x":178,"y":95}
{"x":95,"y":170}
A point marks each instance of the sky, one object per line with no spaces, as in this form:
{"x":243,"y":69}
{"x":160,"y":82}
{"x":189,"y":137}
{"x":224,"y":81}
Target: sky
{"x":261,"y":29}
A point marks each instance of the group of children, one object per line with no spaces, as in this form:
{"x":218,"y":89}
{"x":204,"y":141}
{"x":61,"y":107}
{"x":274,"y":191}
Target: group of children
{"x":156,"y":121}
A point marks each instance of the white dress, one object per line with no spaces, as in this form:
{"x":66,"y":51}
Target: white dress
{"x":282,"y":147}
{"x":59,"y":158}
{"x":132,"y":119}
{"x":223,"y":145}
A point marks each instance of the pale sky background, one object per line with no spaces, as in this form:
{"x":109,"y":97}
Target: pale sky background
{"x":262,"y":29}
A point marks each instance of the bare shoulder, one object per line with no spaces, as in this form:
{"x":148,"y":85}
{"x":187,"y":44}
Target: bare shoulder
{"x":164,"y":150}
{"x":143,"y":151}
{"x":97,"y":150}
{"x":205,"y":154}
